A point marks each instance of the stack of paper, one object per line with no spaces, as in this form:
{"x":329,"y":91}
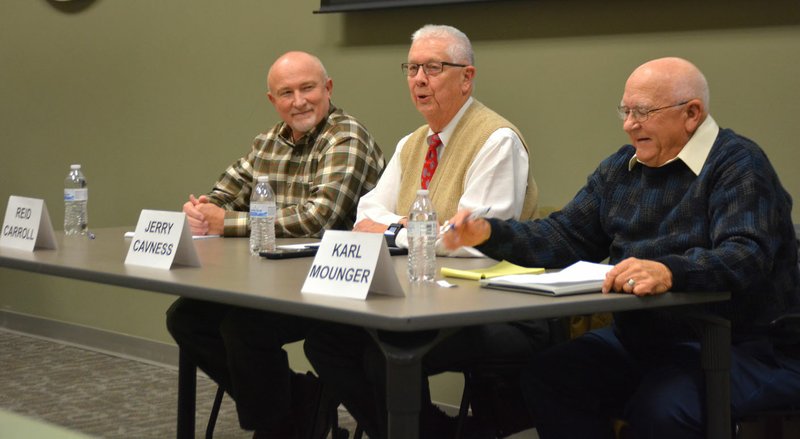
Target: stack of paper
{"x":580,"y":277}
{"x":503,"y":268}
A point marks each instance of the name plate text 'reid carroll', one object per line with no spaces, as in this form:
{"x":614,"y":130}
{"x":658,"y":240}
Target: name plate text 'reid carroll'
{"x":27,"y":225}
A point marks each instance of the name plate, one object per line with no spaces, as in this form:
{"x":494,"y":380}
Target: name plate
{"x":161,"y":239}
{"x":351,"y":264}
{"x":27,"y":225}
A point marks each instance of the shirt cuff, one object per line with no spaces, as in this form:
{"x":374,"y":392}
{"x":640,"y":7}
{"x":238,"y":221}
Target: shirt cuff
{"x":401,"y":239}
{"x":236,"y":223}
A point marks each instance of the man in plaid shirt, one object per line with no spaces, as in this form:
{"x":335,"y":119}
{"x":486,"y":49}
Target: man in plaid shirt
{"x":319,"y":160}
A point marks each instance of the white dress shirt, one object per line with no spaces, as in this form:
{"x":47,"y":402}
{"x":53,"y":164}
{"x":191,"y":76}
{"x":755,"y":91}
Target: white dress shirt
{"x":497,"y":177}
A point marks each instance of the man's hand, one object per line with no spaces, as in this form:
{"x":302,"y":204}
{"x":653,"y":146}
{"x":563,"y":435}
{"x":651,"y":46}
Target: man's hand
{"x":369,"y":226}
{"x":465,"y":233}
{"x":647,"y":277}
{"x":204,"y":218}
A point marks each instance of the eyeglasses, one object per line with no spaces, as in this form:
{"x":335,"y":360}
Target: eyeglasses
{"x":641,"y":114}
{"x":432,"y":68}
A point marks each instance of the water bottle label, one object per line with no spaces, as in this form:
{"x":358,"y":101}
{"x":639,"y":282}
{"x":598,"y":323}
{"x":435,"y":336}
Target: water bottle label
{"x":76,"y":194}
{"x":261,"y":210}
{"x":423,"y":228}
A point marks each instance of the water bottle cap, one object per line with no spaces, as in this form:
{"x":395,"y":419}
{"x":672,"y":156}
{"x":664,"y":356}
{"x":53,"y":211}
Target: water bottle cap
{"x":422,"y":192}
{"x":75,"y":166}
{"x":263,"y":178}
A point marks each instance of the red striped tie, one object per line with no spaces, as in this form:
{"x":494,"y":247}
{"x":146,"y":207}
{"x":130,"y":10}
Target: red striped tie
{"x":431,"y":160}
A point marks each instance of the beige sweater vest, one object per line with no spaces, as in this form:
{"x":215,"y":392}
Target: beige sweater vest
{"x":448,"y":182}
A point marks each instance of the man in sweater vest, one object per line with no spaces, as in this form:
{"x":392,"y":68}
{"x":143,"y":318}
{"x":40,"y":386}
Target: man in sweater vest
{"x":481,"y":159}
{"x":686,"y":207}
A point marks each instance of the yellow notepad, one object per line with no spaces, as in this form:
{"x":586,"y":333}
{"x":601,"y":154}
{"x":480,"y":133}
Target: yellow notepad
{"x":503,"y":268}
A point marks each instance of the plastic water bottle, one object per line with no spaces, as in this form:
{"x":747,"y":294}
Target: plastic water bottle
{"x":422,"y":232}
{"x":76,"y":196}
{"x":262,"y":217}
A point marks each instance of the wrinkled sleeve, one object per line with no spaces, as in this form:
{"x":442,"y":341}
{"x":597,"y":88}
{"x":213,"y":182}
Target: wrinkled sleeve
{"x":232,"y":193}
{"x":344,"y":172}
{"x":572,"y":234}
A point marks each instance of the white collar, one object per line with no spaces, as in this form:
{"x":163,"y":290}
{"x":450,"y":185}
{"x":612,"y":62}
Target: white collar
{"x":696,"y":150}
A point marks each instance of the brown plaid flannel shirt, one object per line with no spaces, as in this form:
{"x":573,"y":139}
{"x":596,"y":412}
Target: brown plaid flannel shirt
{"x":317,"y":181}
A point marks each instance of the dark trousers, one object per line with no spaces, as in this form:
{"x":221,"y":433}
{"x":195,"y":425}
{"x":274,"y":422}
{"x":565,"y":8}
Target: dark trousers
{"x":348,"y":361}
{"x":575,"y":389}
{"x":242,"y":350}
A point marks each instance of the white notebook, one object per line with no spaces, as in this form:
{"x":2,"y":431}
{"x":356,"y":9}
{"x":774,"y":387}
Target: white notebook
{"x":579,"y":278}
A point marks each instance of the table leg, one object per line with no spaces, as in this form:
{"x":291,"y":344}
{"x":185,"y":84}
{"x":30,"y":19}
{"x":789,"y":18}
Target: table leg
{"x":187,"y":387}
{"x":716,"y":361}
{"x":404,"y":352}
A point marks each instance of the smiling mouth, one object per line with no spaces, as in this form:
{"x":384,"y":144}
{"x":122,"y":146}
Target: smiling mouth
{"x":301,"y":113}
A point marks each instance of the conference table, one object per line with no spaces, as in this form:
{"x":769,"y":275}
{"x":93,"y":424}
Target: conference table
{"x":229,"y":274}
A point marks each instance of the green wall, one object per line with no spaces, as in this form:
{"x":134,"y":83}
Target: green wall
{"x":154,"y":98}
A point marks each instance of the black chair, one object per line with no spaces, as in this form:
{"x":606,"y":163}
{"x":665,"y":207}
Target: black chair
{"x":769,"y":424}
{"x":323,"y":410}
{"x":785,"y":330}
{"x":212,"y":418}
{"x":492,"y":391}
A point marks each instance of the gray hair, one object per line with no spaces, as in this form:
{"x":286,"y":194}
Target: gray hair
{"x":461,"y":49}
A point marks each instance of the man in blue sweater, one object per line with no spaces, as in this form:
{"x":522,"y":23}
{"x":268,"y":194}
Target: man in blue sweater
{"x":686,"y":207}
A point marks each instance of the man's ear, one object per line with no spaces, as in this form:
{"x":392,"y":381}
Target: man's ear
{"x":694,"y":114}
{"x":467,"y":76}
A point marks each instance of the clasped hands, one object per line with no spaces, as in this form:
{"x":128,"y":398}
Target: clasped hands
{"x":204,"y":217}
{"x":641,"y":277}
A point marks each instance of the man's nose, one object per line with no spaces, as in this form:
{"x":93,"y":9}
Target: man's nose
{"x":630,"y":123}
{"x":420,"y":77}
{"x":299,"y":99}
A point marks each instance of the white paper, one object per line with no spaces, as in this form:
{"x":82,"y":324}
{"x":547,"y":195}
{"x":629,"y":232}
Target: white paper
{"x":299,"y":246}
{"x":581,"y":271}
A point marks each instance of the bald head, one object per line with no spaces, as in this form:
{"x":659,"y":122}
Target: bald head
{"x":300,"y":90}
{"x":295,"y":61}
{"x":674,"y":79}
{"x":665,"y":102}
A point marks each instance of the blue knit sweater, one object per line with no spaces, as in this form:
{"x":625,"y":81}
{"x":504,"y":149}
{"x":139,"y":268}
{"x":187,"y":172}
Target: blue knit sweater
{"x":727,"y":229}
